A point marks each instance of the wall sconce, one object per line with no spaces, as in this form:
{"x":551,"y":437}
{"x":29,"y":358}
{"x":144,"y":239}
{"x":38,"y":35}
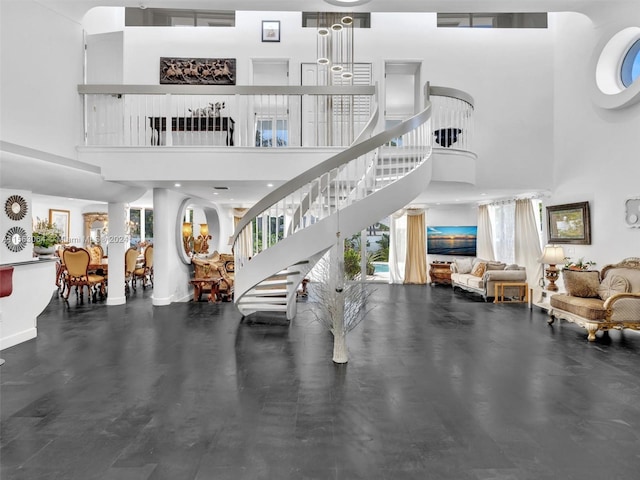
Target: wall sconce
{"x":187,"y":236}
{"x":201,"y":244}
{"x":552,"y":255}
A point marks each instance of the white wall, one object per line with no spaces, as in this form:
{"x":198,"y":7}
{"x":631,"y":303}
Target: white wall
{"x":509,"y":72}
{"x":42,"y":204}
{"x":596,"y":150}
{"x":42,"y":59}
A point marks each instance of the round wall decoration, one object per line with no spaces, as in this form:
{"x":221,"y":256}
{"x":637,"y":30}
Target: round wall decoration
{"x":15,"y":239}
{"x":15,"y":207}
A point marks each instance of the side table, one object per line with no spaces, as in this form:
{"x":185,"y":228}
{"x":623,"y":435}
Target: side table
{"x":521,"y":297}
{"x":440,"y":273}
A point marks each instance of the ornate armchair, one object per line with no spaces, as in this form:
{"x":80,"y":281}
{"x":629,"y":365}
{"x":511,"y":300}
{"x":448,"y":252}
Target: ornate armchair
{"x":76,"y":263}
{"x":146,"y":271}
{"x":130,"y":261}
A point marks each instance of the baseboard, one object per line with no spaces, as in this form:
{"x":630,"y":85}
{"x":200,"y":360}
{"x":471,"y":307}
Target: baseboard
{"x":17,"y":338}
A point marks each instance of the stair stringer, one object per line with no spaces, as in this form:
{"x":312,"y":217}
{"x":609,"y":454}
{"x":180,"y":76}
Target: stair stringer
{"x":313,"y":241}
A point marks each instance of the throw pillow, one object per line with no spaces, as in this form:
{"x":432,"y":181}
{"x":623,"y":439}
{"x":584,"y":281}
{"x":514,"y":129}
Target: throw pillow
{"x":613,"y":284}
{"x":581,"y":284}
{"x":464,"y":265}
{"x":513,"y":266}
{"x":479,"y":269}
{"x":495,"y":266}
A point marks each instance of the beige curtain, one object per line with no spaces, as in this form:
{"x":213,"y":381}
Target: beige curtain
{"x":244,"y":243}
{"x":485,"y":234}
{"x":527,"y":241}
{"x":415,"y":270}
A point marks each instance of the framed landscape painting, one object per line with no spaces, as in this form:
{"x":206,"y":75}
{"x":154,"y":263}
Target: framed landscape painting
{"x":446,"y":240}
{"x":569,"y":223}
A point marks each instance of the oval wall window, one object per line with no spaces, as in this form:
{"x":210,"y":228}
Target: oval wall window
{"x":630,"y":69}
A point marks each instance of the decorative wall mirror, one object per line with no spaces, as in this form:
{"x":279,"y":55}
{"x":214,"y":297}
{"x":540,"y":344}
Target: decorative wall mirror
{"x":197,"y":230}
{"x":96,"y":227}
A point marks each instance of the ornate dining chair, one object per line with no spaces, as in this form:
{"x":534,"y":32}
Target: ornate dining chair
{"x":76,"y":261}
{"x":146,"y":271}
{"x":130,"y":260}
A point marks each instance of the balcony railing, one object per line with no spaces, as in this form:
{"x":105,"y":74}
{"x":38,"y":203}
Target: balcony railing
{"x":452,"y":118}
{"x":202,"y":115}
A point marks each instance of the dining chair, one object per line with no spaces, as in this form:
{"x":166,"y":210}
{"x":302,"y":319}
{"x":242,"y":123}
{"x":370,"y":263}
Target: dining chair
{"x":76,"y":261}
{"x":130,"y":260}
{"x":146,"y":271}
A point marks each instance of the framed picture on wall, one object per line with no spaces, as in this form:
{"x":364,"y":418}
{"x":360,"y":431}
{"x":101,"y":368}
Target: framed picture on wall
{"x":61,"y":220}
{"x":569,"y":223}
{"x":271,"y":30}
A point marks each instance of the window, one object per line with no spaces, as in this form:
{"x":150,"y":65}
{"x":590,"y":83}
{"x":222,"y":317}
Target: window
{"x":266,"y":136}
{"x":492,"y":20}
{"x":161,"y":17}
{"x":630,"y":69}
{"x":314,"y":19}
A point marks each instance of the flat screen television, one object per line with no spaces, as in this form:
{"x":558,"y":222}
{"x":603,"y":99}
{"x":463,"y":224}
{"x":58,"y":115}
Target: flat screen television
{"x":452,"y":240}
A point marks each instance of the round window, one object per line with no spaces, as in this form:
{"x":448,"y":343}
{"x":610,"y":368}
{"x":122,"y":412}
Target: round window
{"x":630,"y":70}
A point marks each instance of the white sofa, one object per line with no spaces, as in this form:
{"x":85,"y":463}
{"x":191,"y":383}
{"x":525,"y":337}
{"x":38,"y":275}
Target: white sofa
{"x":468,"y":274}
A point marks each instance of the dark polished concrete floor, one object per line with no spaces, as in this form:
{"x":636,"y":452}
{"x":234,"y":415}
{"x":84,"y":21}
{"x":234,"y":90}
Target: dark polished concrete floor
{"x":438,"y":386}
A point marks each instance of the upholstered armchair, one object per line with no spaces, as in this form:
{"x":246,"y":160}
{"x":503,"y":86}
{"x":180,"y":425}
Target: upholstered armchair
{"x":76,"y":263}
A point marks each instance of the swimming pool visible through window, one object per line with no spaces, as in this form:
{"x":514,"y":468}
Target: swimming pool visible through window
{"x":630,"y":70}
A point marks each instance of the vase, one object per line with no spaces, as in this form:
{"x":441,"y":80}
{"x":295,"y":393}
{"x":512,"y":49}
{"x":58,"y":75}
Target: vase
{"x":44,"y":251}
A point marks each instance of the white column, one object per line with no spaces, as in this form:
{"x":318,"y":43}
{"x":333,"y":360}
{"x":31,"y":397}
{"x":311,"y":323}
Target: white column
{"x":118,"y":244}
{"x":164,"y":224}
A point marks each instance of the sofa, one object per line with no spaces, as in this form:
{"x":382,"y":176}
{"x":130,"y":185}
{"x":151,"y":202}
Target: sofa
{"x":219,"y":266}
{"x":600,"y":300}
{"x":480,"y":276}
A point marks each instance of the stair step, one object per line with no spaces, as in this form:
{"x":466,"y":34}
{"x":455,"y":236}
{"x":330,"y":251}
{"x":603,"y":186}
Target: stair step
{"x":269,"y":283}
{"x":263,"y":300}
{"x":265,"y":307}
{"x":271,"y":292}
{"x":285,"y":273}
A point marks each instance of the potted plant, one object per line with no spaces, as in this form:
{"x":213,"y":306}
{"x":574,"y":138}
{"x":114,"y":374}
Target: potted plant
{"x":45,"y":237}
{"x":579,"y":265}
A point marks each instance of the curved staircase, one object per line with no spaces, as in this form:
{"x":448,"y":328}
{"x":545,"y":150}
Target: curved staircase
{"x":280,"y":239}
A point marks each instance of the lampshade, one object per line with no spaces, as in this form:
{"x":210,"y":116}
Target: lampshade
{"x":204,"y":229}
{"x":552,"y":255}
{"x":187,"y":229}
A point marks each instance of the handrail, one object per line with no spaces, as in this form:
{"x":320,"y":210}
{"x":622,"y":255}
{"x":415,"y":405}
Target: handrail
{"x":336,"y":161}
{"x":120,"y":89}
{"x":449,"y":92}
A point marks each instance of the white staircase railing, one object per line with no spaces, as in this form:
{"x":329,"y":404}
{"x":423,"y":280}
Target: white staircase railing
{"x":278,"y":240}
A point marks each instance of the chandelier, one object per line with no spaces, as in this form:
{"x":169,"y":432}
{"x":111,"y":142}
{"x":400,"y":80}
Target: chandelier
{"x":335,"y":45}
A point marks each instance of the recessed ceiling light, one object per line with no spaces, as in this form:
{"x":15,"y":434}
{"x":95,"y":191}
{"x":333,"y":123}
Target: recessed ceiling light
{"x":269,"y":184}
{"x":177,"y":185}
{"x":216,"y":193}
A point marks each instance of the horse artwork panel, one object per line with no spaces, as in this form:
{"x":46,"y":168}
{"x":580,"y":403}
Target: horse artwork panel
{"x":197,"y":71}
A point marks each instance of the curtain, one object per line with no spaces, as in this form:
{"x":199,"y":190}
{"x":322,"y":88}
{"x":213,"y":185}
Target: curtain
{"x":527,"y":240}
{"x":415,"y":269}
{"x":245,"y":239}
{"x":397,"y":246}
{"x":503,"y":222}
{"x":485,"y":234}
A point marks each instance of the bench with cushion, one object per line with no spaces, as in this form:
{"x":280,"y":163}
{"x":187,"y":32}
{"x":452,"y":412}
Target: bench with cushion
{"x":600,"y":300}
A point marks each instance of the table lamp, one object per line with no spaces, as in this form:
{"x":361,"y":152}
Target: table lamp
{"x":552,"y":255}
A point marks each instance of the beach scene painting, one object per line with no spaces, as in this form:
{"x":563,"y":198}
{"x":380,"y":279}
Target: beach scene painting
{"x":452,"y":240}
